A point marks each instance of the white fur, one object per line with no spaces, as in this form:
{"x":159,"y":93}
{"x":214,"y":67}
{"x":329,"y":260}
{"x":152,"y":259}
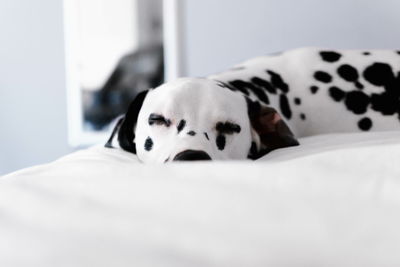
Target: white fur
{"x":201,"y":103}
{"x":324,"y":115}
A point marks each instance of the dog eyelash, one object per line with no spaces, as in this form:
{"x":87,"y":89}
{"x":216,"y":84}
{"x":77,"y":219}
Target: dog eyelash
{"x":228,"y":127}
{"x":158,"y":120}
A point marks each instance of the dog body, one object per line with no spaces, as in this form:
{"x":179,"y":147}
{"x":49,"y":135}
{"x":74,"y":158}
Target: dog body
{"x":321,"y":91}
{"x":245,"y":111}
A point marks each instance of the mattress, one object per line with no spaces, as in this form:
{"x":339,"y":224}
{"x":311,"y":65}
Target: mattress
{"x":333,"y":201}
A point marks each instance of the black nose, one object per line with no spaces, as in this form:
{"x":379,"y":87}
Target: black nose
{"x":192,"y":155}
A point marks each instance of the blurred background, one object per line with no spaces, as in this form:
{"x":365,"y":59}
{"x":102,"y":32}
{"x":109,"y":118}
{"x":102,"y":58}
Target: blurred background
{"x":67,"y":68}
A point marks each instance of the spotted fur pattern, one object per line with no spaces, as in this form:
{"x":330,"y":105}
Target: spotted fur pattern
{"x":324,"y":90}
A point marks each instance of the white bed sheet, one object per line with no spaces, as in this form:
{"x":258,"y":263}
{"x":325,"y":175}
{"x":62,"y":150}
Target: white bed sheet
{"x":333,"y":201}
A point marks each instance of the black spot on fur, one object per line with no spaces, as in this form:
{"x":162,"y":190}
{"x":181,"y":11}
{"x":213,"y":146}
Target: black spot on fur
{"x":221,"y":141}
{"x":302,"y":116}
{"x":323,"y":76}
{"x":284,"y":105}
{"x":181,"y":125}
{"x":366,"y":53}
{"x":398,"y":52}
{"x":278,"y":82}
{"x":357,"y":102}
{"x":314,"y":89}
{"x":260,"y":94}
{"x":191,"y":133}
{"x":253,"y":107}
{"x":330,"y":56}
{"x":264,"y":84}
{"x":225,"y":85}
{"x":336,"y":93}
{"x":297,"y":101}
{"x":244,"y":87}
{"x":348,"y":73}
{"x":206,"y":135}
{"x":148,"y":144}
{"x":221,"y":84}
{"x":365,"y":124}
{"x":240,"y":85}
{"x":385,"y":103}
{"x":359,"y":85}
{"x":379,"y":74}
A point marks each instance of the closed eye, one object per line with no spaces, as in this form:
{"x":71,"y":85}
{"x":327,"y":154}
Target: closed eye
{"x":158,"y":120}
{"x":228,"y":127}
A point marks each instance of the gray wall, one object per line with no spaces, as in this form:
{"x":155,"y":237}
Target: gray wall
{"x":33,"y":123}
{"x":220,"y":33}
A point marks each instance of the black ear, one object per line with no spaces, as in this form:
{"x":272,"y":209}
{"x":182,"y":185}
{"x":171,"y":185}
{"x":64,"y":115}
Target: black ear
{"x":272,"y":132}
{"x":126,"y":125}
{"x":114,"y":131}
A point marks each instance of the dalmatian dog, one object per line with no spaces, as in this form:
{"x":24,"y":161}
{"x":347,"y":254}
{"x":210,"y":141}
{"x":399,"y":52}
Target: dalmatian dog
{"x":262,"y":104}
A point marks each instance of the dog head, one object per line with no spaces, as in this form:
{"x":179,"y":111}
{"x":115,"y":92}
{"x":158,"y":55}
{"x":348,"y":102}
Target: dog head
{"x":197,"y":119}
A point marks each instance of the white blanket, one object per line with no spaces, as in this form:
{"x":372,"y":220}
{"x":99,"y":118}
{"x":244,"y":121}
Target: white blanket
{"x":333,"y":201}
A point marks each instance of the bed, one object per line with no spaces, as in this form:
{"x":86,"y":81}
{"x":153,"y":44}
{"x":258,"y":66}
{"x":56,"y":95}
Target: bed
{"x":333,"y":201}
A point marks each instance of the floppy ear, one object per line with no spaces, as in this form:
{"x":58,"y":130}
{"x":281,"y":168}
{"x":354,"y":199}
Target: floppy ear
{"x":270,"y":131}
{"x":126,"y":125}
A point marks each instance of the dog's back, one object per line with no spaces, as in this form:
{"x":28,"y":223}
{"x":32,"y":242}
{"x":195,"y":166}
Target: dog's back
{"x":324,"y":91}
